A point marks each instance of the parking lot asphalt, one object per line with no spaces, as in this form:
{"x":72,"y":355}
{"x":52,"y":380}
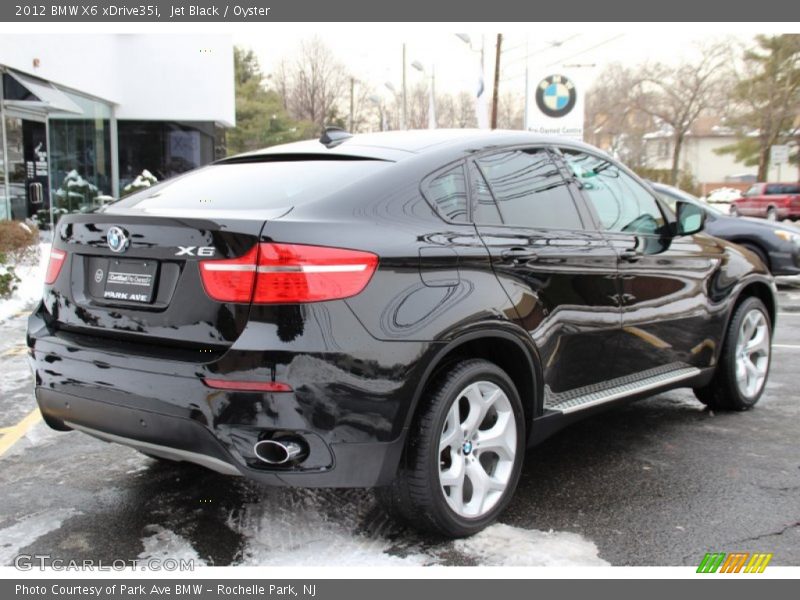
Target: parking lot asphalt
{"x":656,"y":482}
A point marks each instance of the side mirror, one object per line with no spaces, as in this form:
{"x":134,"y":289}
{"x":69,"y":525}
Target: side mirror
{"x":691,"y":218}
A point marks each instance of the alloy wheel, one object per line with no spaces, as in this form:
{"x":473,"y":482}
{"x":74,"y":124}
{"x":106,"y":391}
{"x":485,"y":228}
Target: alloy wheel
{"x":477,"y":449}
{"x":752,"y":353}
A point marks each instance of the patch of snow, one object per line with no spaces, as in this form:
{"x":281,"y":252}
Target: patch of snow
{"x":29,"y":289}
{"x":507,"y":546}
{"x":164,"y":543}
{"x":28,"y":530}
{"x":312,"y":528}
{"x":15,"y":378}
{"x":336,"y":528}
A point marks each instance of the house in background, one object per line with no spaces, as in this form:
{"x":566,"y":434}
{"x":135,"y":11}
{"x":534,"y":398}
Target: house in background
{"x":82,"y":115}
{"x":700,"y":159}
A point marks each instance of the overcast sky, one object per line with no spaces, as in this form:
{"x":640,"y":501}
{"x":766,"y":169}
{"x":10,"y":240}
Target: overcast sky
{"x":373,"y":53}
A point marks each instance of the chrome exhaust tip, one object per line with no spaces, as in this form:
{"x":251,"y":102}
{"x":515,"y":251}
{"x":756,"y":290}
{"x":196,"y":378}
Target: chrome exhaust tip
{"x":277,"y":452}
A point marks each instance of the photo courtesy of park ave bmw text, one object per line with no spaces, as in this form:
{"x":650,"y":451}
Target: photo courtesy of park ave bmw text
{"x":319,"y":300}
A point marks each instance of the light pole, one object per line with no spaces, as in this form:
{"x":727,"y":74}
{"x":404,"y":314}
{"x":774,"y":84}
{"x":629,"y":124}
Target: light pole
{"x":480,"y":98}
{"x":432,"y":96}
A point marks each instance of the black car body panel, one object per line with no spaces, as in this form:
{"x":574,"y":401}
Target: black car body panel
{"x":559,"y":310}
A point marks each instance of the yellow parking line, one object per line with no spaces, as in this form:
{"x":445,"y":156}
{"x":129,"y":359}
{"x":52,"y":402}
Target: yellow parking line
{"x":15,"y":351}
{"x":11,"y":435}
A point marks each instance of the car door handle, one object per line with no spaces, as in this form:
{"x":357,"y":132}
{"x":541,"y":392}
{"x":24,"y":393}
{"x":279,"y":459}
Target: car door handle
{"x":630,"y":255}
{"x":518,"y":255}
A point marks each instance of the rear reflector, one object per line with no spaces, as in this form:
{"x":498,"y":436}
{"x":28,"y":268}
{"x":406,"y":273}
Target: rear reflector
{"x":248,"y":386}
{"x":288,"y":274}
{"x":54,"y":266}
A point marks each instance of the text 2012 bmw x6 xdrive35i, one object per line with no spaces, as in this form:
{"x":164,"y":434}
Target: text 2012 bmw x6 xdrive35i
{"x":406,"y":311}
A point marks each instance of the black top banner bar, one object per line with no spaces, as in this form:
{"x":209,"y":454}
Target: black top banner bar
{"x":151,"y":11}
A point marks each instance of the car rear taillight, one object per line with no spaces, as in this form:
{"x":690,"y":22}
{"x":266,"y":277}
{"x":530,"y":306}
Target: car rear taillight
{"x":230,"y":280}
{"x":288,"y":274}
{"x":54,"y":266}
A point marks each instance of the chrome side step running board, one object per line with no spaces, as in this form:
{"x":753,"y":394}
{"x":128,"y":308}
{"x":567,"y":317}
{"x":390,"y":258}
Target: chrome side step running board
{"x":614,"y":389}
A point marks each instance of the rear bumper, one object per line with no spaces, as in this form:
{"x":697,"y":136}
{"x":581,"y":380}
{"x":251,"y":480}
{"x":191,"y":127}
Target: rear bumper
{"x":353,"y":438}
{"x":176,"y":438}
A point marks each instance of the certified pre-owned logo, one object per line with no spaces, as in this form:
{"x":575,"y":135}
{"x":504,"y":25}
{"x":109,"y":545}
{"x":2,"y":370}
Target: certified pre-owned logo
{"x":555,"y":96}
{"x":117,"y":239}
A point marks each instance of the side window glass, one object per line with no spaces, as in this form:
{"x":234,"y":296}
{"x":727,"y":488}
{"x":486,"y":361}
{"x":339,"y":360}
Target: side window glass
{"x":621,"y":203}
{"x":529,"y":190}
{"x":484,"y":208}
{"x":448,"y":191}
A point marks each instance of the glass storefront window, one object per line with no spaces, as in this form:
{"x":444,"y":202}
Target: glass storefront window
{"x":80,"y":157}
{"x":164,"y":148}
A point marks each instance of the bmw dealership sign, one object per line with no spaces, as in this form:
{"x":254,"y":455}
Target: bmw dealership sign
{"x":556,"y":107}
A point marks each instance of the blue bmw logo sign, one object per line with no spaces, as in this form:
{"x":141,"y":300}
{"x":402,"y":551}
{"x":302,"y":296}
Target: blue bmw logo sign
{"x":555,"y":96}
{"x":117,"y":239}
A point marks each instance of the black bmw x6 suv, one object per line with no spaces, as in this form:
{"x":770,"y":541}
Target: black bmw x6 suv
{"x":405,"y":311}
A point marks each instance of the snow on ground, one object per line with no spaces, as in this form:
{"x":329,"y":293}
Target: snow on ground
{"x":328,"y":528}
{"x":25,"y":532}
{"x":29,"y":290}
{"x":164,"y":543}
{"x":504,"y":545}
{"x":312,"y":528}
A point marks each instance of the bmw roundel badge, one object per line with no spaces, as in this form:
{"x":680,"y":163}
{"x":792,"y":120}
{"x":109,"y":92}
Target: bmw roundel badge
{"x":555,"y":96}
{"x":117,"y":239}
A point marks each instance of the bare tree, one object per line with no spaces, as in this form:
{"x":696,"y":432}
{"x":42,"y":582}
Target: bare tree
{"x":456,"y":111}
{"x":366,"y":115}
{"x":613,"y":122}
{"x":511,"y":111}
{"x":418,"y":104}
{"x":313,"y":84}
{"x":465,"y":111}
{"x":677,"y":95}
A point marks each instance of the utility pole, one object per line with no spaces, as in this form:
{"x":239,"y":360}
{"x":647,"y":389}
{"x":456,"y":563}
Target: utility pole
{"x":496,"y":93}
{"x":352,"y":93}
{"x":404,"y":123}
{"x":527,"y":87}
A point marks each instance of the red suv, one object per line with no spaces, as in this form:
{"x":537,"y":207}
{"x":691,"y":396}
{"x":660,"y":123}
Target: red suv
{"x":774,"y":201}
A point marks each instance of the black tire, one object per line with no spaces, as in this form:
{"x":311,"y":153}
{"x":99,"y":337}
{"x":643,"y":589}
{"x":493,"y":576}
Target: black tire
{"x":758,"y":252}
{"x":416,"y":495}
{"x":723,"y":392}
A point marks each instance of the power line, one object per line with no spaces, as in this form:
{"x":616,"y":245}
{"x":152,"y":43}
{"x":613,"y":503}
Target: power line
{"x":560,"y":61}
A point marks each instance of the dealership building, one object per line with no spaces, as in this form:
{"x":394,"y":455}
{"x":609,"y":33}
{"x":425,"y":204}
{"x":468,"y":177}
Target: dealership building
{"x":81,"y":116}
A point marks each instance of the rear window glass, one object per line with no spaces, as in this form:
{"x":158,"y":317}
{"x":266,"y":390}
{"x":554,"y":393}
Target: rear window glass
{"x":254,"y":185}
